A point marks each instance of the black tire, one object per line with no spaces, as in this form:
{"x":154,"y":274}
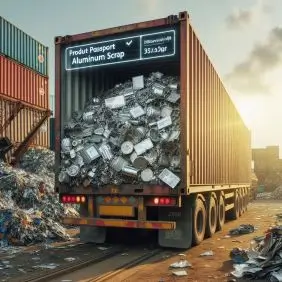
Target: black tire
{"x":221,"y":213}
{"x":234,"y":213}
{"x":199,"y":222}
{"x":241,"y":203}
{"x":211,"y":218}
{"x":244,"y":198}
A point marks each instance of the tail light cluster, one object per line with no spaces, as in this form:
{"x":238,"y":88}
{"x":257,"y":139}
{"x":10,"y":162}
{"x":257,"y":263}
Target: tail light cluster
{"x":73,"y":199}
{"x":162,"y":201}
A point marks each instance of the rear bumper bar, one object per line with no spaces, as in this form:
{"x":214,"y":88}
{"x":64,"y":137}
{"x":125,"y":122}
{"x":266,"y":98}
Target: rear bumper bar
{"x":101,"y":222}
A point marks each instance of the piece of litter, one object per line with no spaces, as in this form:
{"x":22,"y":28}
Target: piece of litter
{"x":221,"y":247}
{"x":47,"y":266}
{"x":180,"y":273}
{"x":35,"y":258}
{"x":70,"y":259}
{"x":181,"y":264}
{"x":226,"y":237}
{"x":124,"y":254}
{"x":102,"y":248}
{"x":207,"y":254}
{"x":182,"y":255}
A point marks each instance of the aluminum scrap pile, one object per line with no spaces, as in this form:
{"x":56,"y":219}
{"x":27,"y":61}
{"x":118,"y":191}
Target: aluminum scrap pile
{"x":277,"y":193}
{"x":129,"y":136}
{"x":29,"y":212}
{"x":264,"y":259}
{"x":40,"y":161}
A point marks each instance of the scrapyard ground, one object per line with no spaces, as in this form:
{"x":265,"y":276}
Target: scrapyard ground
{"x":261,"y":214}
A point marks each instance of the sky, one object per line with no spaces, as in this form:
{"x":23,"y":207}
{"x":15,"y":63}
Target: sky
{"x":243,"y":39}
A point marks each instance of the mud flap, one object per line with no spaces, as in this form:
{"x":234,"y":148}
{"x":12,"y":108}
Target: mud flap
{"x":91,"y":234}
{"x":181,"y":237}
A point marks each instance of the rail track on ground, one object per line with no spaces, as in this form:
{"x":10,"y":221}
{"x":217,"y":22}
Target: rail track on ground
{"x":126,"y":261}
{"x":48,"y":275}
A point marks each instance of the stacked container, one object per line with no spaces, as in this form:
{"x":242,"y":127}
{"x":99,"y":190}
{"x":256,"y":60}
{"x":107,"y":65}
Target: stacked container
{"x":24,"y":78}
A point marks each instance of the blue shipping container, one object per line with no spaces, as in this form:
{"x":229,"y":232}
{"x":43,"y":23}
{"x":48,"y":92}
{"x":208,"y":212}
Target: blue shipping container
{"x":17,"y":45}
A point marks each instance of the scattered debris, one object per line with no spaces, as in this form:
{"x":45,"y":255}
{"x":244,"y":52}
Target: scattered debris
{"x":277,"y":193}
{"x":263,"y":260}
{"x":30,"y":211}
{"x":47,"y":266}
{"x":181,"y":264}
{"x":238,"y":255}
{"x":70,"y":259}
{"x":180,"y":273}
{"x":207,"y":254}
{"x":242,"y":229}
{"x":102,"y":248}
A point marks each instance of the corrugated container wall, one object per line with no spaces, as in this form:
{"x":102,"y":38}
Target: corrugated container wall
{"x":22,"y":124}
{"x":217,"y":146}
{"x":21,"y":47}
{"x":21,"y":83}
{"x":220,"y":142}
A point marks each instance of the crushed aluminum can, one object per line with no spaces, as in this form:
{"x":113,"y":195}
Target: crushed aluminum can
{"x":143,"y":146}
{"x":153,"y":112}
{"x":99,"y":131}
{"x":166,"y":111}
{"x":130,"y":171}
{"x":73,"y":170}
{"x":137,"y":111}
{"x":66,"y":144}
{"x":63,"y":177}
{"x":72,"y":154}
{"x":147,"y":175}
{"x":140,"y":163}
{"x":138,"y":82}
{"x":127,"y":148}
{"x":164,"y":122}
{"x":154,"y":134}
{"x":173,"y":97}
{"x":106,"y":152}
{"x":118,"y":163}
{"x":169,"y":178}
{"x":89,"y":154}
{"x":115,"y":102}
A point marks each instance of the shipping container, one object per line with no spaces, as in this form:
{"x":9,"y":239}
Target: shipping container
{"x":19,"y":46}
{"x":23,"y":84}
{"x":215,"y":142}
{"x":17,"y":121}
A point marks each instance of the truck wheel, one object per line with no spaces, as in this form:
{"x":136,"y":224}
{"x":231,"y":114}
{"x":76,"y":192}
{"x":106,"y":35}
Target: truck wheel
{"x":221,"y":213}
{"x":199,"y":222}
{"x":212,"y":218}
{"x":241,"y":204}
{"x":234,"y":213}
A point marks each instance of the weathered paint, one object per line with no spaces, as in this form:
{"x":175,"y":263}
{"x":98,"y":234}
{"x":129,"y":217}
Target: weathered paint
{"x":20,"y":126}
{"x":23,"y":84}
{"x":21,"y":47}
{"x":160,"y":225}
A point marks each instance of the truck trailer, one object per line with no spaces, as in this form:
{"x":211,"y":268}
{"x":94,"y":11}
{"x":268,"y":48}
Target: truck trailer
{"x":212,"y":181}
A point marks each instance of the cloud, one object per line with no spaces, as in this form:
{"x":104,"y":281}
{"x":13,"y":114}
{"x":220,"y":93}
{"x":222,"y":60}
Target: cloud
{"x":240,"y":18}
{"x":253,"y":74}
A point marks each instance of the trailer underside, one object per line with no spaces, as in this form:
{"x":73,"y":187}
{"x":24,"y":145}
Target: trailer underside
{"x":181,"y":221}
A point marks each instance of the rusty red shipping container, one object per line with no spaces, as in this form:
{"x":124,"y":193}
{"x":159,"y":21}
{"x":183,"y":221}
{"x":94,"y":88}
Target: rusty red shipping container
{"x":22,"y":124}
{"x":22,"y":83}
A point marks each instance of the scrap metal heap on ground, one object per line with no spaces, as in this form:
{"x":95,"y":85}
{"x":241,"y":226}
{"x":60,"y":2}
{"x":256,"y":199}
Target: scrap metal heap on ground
{"x":30,"y":211}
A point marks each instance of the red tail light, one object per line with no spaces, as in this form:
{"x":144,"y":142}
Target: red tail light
{"x":162,"y":201}
{"x":73,"y":199}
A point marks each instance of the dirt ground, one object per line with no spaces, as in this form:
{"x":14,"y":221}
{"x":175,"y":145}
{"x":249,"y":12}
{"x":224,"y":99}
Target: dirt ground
{"x":261,"y":214}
